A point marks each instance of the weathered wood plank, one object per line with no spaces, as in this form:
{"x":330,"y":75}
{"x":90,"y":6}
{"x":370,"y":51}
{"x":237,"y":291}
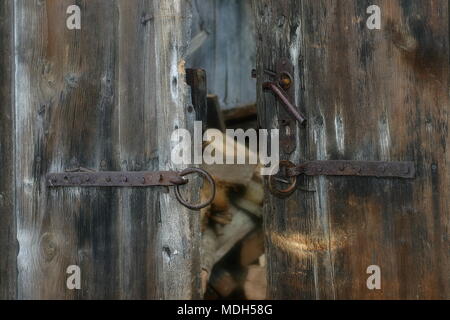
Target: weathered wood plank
{"x":180,"y":229}
{"x":228,"y":48}
{"x":65,"y":82}
{"x":8,"y":242}
{"x":136,"y":137}
{"x":368,"y":95}
{"x":105,"y":97}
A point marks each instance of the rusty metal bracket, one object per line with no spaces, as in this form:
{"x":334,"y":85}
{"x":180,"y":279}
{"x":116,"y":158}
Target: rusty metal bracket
{"x":135,"y":179}
{"x":380,"y":169}
{"x":283,"y":87}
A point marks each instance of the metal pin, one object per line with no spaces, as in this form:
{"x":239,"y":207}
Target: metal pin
{"x":282,"y":180}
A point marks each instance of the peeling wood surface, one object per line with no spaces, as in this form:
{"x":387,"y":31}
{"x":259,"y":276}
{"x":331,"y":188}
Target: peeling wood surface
{"x":106,"y":97}
{"x":8,"y":243}
{"x":368,"y":95}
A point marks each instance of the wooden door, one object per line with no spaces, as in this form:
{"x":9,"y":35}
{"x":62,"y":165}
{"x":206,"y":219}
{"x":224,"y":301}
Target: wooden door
{"x":105,"y":97}
{"x":368,"y":94}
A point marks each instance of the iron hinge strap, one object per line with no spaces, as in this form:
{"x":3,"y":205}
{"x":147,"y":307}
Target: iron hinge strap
{"x":115,"y":179}
{"x":380,"y":169}
{"x":386,"y":169}
{"x":135,"y":179}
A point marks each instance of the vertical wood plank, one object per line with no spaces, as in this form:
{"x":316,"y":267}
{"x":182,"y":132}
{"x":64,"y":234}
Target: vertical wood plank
{"x":180,"y":229}
{"x":8,"y":242}
{"x":137,"y":139}
{"x":368,"y":95}
{"x":92,"y":98}
{"x":65,"y":87}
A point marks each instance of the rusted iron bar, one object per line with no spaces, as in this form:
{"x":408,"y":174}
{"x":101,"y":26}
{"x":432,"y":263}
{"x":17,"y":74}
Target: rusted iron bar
{"x":115,"y":179}
{"x":380,"y":169}
{"x":134,"y":179}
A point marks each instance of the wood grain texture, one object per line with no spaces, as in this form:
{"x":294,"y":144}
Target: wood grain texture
{"x":105,"y":97}
{"x":180,"y":228}
{"x":8,"y":242}
{"x":227,"y":52}
{"x":368,"y":95}
{"x":196,"y":79}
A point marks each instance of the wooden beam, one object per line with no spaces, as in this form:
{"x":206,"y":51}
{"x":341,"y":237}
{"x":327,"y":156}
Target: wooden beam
{"x":8,"y":242}
{"x":180,"y":229}
{"x":215,"y":116}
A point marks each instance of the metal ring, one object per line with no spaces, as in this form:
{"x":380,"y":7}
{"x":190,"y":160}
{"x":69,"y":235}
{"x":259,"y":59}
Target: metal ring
{"x":289,"y":190}
{"x":211,"y":182}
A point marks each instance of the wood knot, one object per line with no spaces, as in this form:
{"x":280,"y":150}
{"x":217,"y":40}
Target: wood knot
{"x":48,"y":246}
{"x":146,"y":18}
{"x":72,"y":80}
{"x":419,"y":47}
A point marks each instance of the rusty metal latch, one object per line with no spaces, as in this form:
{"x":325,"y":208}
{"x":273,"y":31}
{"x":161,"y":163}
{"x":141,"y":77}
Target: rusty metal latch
{"x":380,"y":169}
{"x":287,"y":104}
{"x":282,"y":85}
{"x":88,"y":178}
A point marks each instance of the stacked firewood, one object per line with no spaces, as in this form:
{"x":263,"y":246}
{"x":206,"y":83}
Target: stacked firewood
{"x":232,"y":252}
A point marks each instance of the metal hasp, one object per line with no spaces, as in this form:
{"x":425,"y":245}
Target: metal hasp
{"x":132,"y":179}
{"x":290,"y":108}
{"x":354,"y":168}
{"x":283,"y":87}
{"x":380,"y":169}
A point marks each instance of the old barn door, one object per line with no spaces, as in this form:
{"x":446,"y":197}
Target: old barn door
{"x":372,"y":79}
{"x":104,"y":92}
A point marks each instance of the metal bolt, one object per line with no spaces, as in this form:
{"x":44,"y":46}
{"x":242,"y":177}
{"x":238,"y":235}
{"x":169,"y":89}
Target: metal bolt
{"x":285,"y":80}
{"x":270,"y":72}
